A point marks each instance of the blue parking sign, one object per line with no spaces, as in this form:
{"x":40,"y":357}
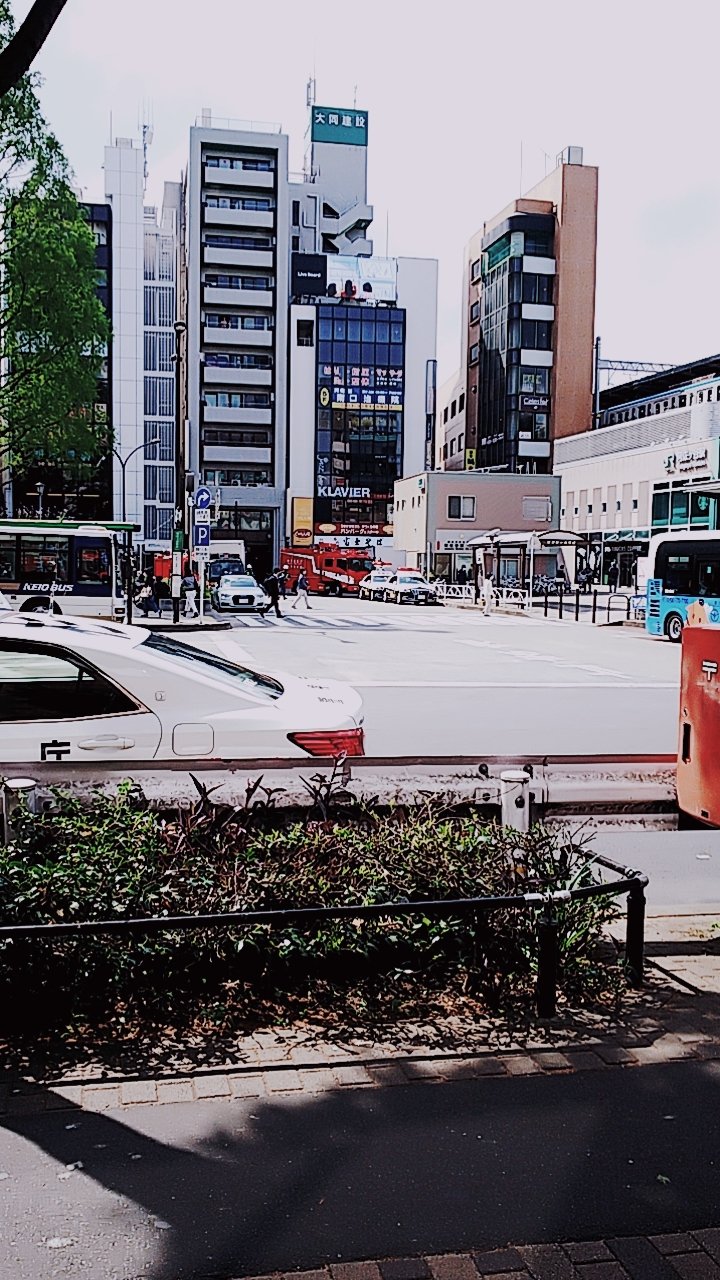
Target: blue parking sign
{"x":201,"y":535}
{"x":203,"y":498}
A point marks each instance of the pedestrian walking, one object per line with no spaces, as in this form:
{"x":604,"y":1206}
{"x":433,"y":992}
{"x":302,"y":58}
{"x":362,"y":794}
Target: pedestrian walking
{"x":613,"y":576}
{"x":488,"y":598}
{"x":272,"y":590}
{"x":145,"y":600}
{"x":301,"y":591}
{"x":462,"y":576}
{"x":282,"y":582}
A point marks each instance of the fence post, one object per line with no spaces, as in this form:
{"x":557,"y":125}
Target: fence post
{"x":560,"y":606}
{"x":594,"y":606}
{"x":635,"y":933}
{"x":546,"y":603}
{"x":577,"y":606}
{"x":547,"y":973}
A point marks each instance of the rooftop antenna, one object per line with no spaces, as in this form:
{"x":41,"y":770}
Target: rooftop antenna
{"x":147,"y":137}
{"x":355,"y":98}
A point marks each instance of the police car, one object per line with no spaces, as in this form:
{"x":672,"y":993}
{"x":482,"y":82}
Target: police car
{"x":407,"y":586}
{"x":372,"y":586}
{"x":72,"y":689}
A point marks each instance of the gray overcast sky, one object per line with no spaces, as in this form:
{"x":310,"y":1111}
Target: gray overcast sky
{"x":452,"y":89}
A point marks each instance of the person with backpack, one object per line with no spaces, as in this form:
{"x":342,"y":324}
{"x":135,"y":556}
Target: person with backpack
{"x":271,"y":586}
{"x":301,"y":591}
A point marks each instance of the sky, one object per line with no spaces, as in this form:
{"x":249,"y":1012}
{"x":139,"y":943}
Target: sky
{"x":469,"y":103}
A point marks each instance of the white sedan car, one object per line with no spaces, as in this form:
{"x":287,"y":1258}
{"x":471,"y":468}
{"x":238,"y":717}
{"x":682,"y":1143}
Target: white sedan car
{"x":410,"y":588}
{"x":238,"y":591}
{"x":77,"y":690}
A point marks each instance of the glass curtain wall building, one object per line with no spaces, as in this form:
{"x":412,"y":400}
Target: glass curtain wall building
{"x":360,"y":429}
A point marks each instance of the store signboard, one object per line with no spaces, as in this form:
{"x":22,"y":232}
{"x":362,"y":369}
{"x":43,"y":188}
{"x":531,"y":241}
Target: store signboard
{"x":534,"y":403}
{"x":336,"y":530}
{"x":452,"y":540}
{"x":308,"y":275}
{"x":339,"y":124}
{"x":367,"y":279}
{"x":302,"y":522}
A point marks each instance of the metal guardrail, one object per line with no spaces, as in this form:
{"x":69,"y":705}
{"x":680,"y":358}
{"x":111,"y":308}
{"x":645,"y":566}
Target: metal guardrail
{"x":631,"y":884}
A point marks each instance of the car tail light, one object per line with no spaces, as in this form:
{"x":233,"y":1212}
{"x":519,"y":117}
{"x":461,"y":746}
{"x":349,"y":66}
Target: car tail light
{"x":330,"y":742}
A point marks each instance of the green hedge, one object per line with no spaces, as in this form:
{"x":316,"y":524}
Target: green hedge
{"x":121,"y":859}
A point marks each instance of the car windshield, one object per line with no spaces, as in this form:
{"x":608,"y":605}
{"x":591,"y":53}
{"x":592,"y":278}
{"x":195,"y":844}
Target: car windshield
{"x":210,"y":664}
{"x":221,"y":568}
{"x":411,"y":577}
{"x":233,"y":583}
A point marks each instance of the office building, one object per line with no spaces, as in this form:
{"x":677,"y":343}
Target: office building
{"x":293,"y":329}
{"x":450,"y":425}
{"x":529,"y":304}
{"x":144,"y":310}
{"x":650,"y":467}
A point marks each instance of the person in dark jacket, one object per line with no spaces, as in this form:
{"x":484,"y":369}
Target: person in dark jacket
{"x":271,"y":586}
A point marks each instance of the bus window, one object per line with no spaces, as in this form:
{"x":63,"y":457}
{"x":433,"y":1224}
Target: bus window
{"x":342,"y":564}
{"x":92,"y":566}
{"x":708,"y":577}
{"x":677,"y":575}
{"x":329,"y":562}
{"x":43,"y":560}
{"x":8,"y":557}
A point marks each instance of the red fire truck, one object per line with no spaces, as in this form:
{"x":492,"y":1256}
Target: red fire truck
{"x":331,"y":570}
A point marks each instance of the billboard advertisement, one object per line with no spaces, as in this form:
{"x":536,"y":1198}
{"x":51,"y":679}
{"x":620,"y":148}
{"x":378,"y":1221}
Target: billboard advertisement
{"x":302,"y":522}
{"x":340,"y":125}
{"x":368,"y":278}
{"x":308,"y":274}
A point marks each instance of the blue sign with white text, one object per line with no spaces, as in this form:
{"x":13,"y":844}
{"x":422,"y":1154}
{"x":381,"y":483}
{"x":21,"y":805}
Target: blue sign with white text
{"x":201,"y":535}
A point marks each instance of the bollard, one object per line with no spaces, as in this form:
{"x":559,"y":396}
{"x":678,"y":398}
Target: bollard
{"x":546,"y":603}
{"x":560,"y":606}
{"x":15,"y":794}
{"x":594,"y":607}
{"x":515,"y":799}
{"x":635,"y":933}
{"x":547,"y":973}
{"x":577,"y":606}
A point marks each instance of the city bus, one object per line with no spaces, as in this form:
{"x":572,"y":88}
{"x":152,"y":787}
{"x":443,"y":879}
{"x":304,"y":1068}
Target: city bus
{"x":63,"y":566}
{"x":683,"y":581}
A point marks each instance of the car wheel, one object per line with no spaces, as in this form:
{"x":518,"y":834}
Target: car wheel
{"x":674,"y":627}
{"x":42,"y":606}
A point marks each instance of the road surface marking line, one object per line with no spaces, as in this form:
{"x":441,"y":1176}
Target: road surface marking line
{"x":500,"y":684}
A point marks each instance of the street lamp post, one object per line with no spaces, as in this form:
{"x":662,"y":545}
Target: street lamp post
{"x":128,"y":569}
{"x":40,"y":491}
{"x":533,"y":546}
{"x":178,"y":544}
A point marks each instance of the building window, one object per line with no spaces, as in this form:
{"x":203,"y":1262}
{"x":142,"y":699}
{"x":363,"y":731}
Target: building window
{"x":216,"y":321}
{"x":453,"y":409}
{"x":306,"y":333}
{"x":604,"y":508}
{"x":446,"y":411}
{"x":536,"y":335}
{"x":474,"y":353}
{"x":536,"y":288}
{"x":474,"y":312}
{"x":237,"y":399}
{"x":461,"y":402}
{"x":475,"y":270}
{"x":239,"y":360}
{"x":296,"y":213}
{"x":635,"y":504}
{"x":461,"y":441}
{"x":461,"y":508}
{"x":263,"y":205}
{"x":295,"y":243}
{"x":452,"y":448}
{"x":221,"y":281}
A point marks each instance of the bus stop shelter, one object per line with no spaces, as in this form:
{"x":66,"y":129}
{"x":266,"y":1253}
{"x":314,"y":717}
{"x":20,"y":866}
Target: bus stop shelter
{"x":519,"y":556}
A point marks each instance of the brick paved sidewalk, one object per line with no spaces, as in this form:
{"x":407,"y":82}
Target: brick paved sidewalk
{"x":689,"y":1255}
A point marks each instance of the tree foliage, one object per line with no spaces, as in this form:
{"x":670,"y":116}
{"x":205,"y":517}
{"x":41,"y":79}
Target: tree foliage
{"x":53,"y":329}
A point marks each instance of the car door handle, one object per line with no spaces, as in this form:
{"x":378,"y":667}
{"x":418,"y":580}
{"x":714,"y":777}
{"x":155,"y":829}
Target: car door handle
{"x":106,"y":740}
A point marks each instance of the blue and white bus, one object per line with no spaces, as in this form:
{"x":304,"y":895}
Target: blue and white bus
{"x":63,"y":566}
{"x":683,"y":574}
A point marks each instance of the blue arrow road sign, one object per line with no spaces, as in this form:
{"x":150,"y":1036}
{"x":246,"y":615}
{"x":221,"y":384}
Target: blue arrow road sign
{"x":201,"y":535}
{"x":203,"y":498}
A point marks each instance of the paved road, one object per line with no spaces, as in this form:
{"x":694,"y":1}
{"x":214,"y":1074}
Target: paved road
{"x":445,"y":680}
{"x":244,"y":1188}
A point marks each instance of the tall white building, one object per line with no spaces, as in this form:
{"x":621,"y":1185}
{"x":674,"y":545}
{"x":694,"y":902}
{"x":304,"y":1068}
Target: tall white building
{"x":144,"y":310}
{"x":268,"y":261}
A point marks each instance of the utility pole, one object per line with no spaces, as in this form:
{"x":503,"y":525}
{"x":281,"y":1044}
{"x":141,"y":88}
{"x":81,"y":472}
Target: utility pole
{"x":178,"y":542}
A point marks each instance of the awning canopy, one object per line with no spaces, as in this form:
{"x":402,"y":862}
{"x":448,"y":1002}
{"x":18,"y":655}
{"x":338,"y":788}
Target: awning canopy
{"x":520,"y":540}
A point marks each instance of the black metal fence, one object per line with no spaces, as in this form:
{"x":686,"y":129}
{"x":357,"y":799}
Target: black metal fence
{"x":577,"y":602}
{"x":630,"y":884}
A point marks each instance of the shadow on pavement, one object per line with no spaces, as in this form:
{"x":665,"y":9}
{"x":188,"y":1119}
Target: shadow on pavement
{"x":249,"y":1187}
